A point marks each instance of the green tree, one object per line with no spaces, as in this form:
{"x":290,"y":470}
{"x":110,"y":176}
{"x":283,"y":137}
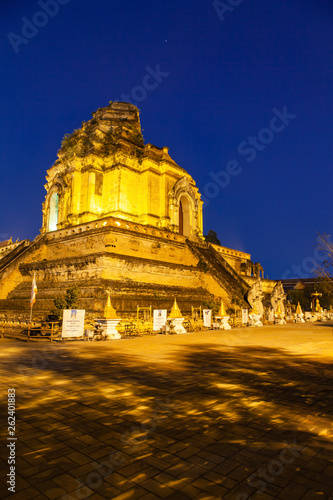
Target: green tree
{"x":324,"y":268}
{"x":303,"y":296}
{"x":324,"y":282}
{"x":211,"y":237}
{"x":69,"y":301}
{"x":212,"y":304}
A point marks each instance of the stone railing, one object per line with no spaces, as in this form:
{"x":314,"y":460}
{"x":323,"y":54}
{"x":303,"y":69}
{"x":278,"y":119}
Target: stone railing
{"x":8,"y":248}
{"x":231,"y":253}
{"x":117,"y":223}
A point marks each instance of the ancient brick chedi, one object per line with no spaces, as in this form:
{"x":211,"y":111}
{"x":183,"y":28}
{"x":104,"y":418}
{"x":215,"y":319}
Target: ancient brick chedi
{"x":120,"y":215}
{"x":104,"y":169}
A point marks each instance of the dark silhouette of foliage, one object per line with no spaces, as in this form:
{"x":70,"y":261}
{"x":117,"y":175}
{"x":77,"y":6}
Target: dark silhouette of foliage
{"x":211,"y":237}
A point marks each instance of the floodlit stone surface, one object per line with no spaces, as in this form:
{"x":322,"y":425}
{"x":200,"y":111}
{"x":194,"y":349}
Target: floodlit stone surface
{"x":120,"y":215}
{"x":105,"y":169}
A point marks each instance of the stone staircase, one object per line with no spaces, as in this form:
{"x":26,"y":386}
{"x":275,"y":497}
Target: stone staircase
{"x":14,"y":254}
{"x":13,"y":258}
{"x":220,"y":269}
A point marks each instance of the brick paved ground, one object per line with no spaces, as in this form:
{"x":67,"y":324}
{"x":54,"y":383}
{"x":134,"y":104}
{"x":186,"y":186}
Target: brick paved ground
{"x":234,"y":415}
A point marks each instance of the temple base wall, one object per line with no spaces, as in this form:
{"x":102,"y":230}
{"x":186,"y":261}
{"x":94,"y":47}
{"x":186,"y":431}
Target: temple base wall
{"x":141,"y":265}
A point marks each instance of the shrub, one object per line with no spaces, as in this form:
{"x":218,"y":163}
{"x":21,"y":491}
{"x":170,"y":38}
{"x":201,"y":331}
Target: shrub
{"x":69,"y":301}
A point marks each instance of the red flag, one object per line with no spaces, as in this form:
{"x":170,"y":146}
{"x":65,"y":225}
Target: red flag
{"x":33,"y":291}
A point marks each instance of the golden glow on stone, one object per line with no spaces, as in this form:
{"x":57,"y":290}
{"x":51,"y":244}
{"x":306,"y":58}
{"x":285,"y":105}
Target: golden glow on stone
{"x":109,"y":311}
{"x":255,"y":311}
{"x":298,"y":309}
{"x":175,"y":311}
{"x":222,"y":312}
{"x":132,"y":181}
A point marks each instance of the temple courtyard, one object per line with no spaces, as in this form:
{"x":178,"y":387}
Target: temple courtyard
{"x":238,"y":414}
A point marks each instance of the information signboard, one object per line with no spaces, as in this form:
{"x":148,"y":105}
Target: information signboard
{"x":73,"y":323}
{"x":160,"y":318}
{"x":245,"y":316}
{"x":207,"y":317}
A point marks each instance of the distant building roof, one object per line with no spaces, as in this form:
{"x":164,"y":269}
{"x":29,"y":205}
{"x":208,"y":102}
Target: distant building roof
{"x":298,"y":283}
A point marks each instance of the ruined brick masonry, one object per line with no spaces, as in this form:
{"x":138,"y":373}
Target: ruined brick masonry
{"x":122,"y":215}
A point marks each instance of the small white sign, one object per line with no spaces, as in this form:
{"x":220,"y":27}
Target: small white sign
{"x":245,"y":316}
{"x":207,"y":317}
{"x":73,"y":323}
{"x":160,"y":318}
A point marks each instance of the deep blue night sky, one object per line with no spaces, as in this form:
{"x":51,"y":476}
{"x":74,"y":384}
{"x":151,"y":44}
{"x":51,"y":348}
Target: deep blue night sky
{"x":220,"y":82}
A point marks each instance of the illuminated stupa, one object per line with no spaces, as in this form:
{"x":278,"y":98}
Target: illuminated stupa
{"x":120,"y":215}
{"x":104,"y":169}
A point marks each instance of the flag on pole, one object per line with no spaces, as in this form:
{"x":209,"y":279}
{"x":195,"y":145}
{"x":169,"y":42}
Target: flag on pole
{"x":33,"y":291}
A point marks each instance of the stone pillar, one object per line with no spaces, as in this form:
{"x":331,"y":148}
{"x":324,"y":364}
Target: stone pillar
{"x":91,"y":191}
{"x":76,"y":194}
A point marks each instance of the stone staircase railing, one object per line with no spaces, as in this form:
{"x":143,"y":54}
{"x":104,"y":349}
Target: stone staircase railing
{"x":220,"y":269}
